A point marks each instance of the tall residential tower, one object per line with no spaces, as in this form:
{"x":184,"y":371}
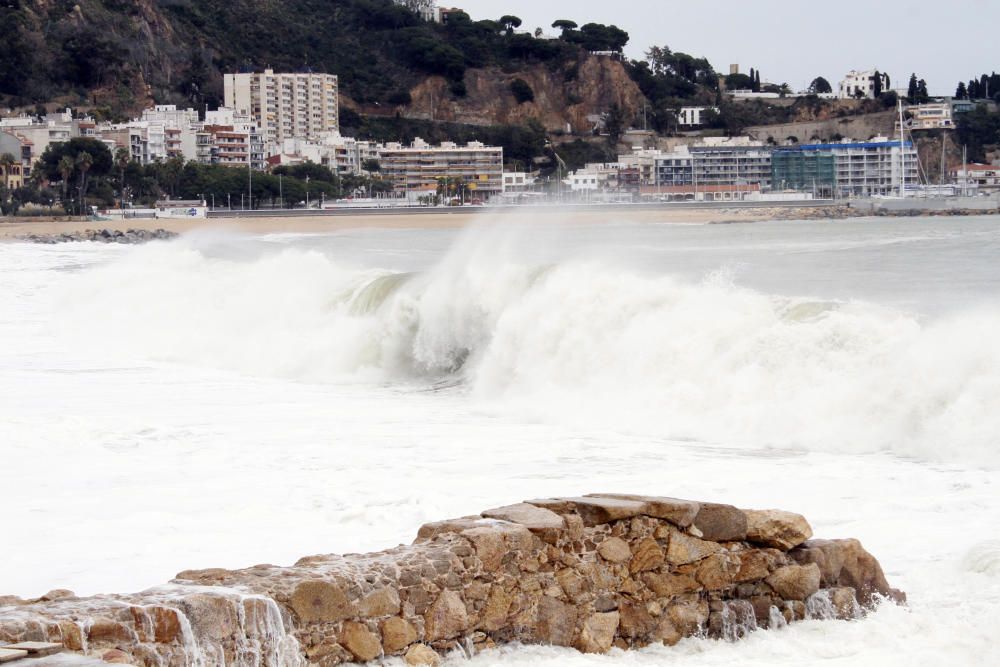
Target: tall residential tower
{"x":285,"y":106}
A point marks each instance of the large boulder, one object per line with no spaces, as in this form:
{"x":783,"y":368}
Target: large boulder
{"x":679,"y":512}
{"x":684,"y":549}
{"x":598,"y":632}
{"x":721,"y":523}
{"x":543,"y":522}
{"x":845,"y":563}
{"x":446,"y":618}
{"x":595,"y":510}
{"x":795,"y":582}
{"x":777,"y":528}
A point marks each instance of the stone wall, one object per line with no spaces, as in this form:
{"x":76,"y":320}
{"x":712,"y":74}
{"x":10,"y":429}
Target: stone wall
{"x":859,"y":128}
{"x":589,"y":573}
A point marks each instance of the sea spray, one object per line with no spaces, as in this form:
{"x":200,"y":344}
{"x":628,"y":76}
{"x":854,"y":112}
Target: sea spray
{"x":586,"y":342}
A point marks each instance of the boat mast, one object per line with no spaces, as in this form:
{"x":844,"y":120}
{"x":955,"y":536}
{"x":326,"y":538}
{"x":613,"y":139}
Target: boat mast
{"x":902,"y":154}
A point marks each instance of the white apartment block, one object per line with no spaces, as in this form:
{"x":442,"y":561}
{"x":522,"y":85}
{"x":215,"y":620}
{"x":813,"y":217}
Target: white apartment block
{"x":342,"y":155}
{"x":861,"y":83}
{"x":37,"y":134}
{"x":420,"y":166}
{"x":285,"y":105}
{"x":692,"y":116}
{"x":231,"y":138}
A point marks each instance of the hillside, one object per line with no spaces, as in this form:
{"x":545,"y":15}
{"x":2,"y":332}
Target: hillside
{"x":116,"y":57}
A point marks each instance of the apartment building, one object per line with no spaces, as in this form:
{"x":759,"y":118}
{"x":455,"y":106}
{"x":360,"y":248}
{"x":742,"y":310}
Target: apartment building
{"x":421,"y":166}
{"x":931,"y":116}
{"x":38,"y":133}
{"x":285,"y":105}
{"x":716,"y":161}
{"x":13,"y":175}
{"x":342,"y":155}
{"x":860,"y":169}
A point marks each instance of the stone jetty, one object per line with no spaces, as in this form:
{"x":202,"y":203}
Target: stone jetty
{"x":589,"y":573}
{"x":131,"y":236}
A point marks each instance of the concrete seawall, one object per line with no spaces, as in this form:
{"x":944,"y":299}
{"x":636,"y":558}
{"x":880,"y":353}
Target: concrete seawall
{"x":590,"y":573}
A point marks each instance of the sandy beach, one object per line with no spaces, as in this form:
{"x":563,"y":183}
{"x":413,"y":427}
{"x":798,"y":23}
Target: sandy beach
{"x":320,"y":224}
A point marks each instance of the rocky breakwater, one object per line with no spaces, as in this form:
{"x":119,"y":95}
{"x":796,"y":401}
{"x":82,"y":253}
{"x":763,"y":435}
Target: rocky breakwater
{"x":130,"y":236}
{"x":590,"y":573}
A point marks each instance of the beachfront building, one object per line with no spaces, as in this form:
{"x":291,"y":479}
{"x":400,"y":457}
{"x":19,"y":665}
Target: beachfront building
{"x":977,"y":177}
{"x":230,"y":138}
{"x":285,"y":105}
{"x":342,"y":155}
{"x":12,"y":175}
{"x":420,"y":166}
{"x":862,"y":84}
{"x":20,"y":149}
{"x":860,"y":169}
{"x":39,"y":133}
{"x":517,"y":181}
{"x":716,"y":161}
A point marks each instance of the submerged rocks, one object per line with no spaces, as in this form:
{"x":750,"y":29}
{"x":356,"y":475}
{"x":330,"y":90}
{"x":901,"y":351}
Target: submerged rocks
{"x":590,"y":572}
{"x":130,"y":236}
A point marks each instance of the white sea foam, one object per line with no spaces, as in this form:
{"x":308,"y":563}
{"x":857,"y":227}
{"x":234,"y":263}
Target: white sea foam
{"x":222,"y":401}
{"x":579,"y":340}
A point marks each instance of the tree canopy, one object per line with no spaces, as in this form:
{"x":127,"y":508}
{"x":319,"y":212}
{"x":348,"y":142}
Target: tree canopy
{"x":820,"y":86}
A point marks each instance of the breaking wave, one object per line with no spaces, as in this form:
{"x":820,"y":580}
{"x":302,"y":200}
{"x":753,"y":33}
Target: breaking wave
{"x":578,"y":340}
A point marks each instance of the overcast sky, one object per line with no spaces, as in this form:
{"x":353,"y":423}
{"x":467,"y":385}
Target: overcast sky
{"x":792,"y":41}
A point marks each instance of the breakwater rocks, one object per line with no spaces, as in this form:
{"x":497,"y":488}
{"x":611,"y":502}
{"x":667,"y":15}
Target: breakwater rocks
{"x":131,"y":236}
{"x":590,"y":573}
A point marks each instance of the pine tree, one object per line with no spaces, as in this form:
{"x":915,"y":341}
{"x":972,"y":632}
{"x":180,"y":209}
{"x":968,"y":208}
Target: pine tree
{"x":877,"y":85}
{"x":922,"y":95}
{"x":973,"y":90}
{"x":756,"y":82}
{"x":961,"y":93}
{"x":911,"y":91}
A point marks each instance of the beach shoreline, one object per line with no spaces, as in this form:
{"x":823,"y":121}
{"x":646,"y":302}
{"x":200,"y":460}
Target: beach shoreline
{"x":319,"y":224}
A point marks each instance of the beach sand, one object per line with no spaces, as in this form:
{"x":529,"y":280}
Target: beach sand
{"x":320,"y":224}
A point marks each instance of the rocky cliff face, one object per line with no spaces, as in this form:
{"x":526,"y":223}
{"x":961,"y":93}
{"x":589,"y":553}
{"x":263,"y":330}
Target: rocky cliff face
{"x":563,"y":96}
{"x":590,"y":573}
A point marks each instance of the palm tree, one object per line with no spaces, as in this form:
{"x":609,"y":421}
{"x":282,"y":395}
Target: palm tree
{"x":66,"y":167}
{"x":122,"y":158}
{"x":84,"y":161}
{"x":7,"y":162}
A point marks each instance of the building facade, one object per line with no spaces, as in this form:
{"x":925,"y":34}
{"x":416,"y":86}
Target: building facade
{"x":427,"y":9}
{"x":978,"y":177}
{"x":735,"y":162}
{"x":861,"y":84}
{"x":933,"y":116}
{"x":692,"y":116}
{"x":420,"y":165}
{"x":860,"y":169}
{"x":341,"y":155}
{"x":285,"y":105}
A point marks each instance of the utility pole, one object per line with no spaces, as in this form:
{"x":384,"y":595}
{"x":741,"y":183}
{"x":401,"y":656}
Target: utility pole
{"x":249,"y":170}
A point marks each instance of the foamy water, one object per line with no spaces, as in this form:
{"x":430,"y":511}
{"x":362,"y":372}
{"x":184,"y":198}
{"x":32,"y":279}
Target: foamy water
{"x":226,"y":401}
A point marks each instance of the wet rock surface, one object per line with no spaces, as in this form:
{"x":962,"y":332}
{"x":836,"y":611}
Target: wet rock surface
{"x":590,"y":572}
{"x":130,"y":236}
